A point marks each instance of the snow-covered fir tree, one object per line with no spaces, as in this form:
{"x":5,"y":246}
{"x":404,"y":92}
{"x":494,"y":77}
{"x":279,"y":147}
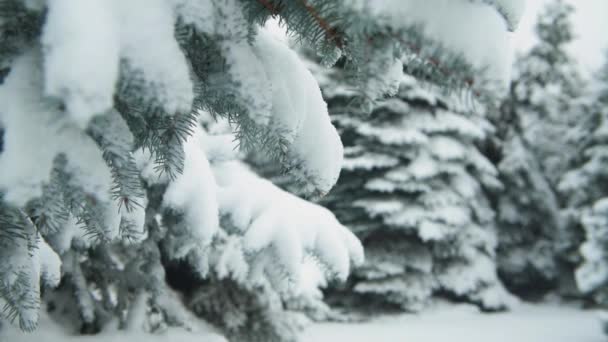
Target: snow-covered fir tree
{"x":546,"y":87}
{"x":585,"y":189}
{"x":535,"y":146}
{"x":527,"y":210}
{"x":108,"y":176}
{"x":413,"y":190}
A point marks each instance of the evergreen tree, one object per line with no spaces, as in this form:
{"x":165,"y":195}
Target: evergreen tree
{"x":527,"y":214}
{"x":545,"y":91}
{"x":107,"y":170}
{"x":585,"y":188}
{"x":413,"y":190}
{"x":535,"y":148}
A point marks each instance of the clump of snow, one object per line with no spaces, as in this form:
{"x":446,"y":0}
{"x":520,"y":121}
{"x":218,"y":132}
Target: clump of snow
{"x":253,"y":85}
{"x":61,"y":241}
{"x":50,"y":264}
{"x":471,"y":28}
{"x":282,"y":225}
{"x":300,"y":115}
{"x":81,"y":56}
{"x":147,"y":167}
{"x":464,"y":323}
{"x":28,"y":262}
{"x":243,"y":66}
{"x":192,"y":193}
{"x":511,"y":10}
{"x":28,"y":158}
{"x":220,"y":147}
{"x":149,"y":48}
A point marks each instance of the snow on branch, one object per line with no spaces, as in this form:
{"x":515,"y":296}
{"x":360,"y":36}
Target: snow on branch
{"x":448,"y":41}
{"x":276,"y":223}
{"x":511,"y":10}
{"x":313,"y":146}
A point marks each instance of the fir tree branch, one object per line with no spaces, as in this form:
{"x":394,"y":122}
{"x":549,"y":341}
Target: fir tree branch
{"x":331,"y":33}
{"x":112,"y":135}
{"x":437,"y":64}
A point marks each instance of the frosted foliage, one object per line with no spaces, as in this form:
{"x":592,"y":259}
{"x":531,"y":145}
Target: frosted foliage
{"x":106,"y":166}
{"x":61,"y":241}
{"x":24,"y":270}
{"x":496,"y":296}
{"x":300,"y":114}
{"x":463,"y":278}
{"x":283,"y":225}
{"x":445,"y":122}
{"x":386,"y":83}
{"x":539,"y":207}
{"x":22,"y":178}
{"x":369,"y":161}
{"x":147,"y":168}
{"x":90,"y":48}
{"x":405,"y":279}
{"x":117,"y":28}
{"x":411,"y":294}
{"x":135,"y":219}
{"x":50,"y":264}
{"x":220,"y":147}
{"x":192,"y":194}
{"x":226,"y":19}
{"x":253,"y":85}
{"x":231,"y":262}
{"x":381,"y":258}
{"x":392,"y":135}
{"x":528,"y":214}
{"x":420,"y":183}
{"x":244,"y":65}
{"x":483,"y":41}
{"x":23,"y":280}
{"x":287,"y":113}
{"x":163,"y":70}
{"x":23,"y":108}
{"x":593,"y":273}
{"x":446,"y":148}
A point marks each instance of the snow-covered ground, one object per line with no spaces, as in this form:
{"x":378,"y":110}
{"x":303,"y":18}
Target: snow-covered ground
{"x":49,"y":331}
{"x":527,"y":323}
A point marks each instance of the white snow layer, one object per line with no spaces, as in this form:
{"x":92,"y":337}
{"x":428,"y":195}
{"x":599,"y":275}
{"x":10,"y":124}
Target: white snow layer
{"x":149,"y":47}
{"x":40,"y":265}
{"x":288,"y":227}
{"x":300,"y":114}
{"x":192,"y":193}
{"x":51,"y":331}
{"x":94,"y":45}
{"x":81,"y":56}
{"x":473,"y":28}
{"x":511,"y":10}
{"x":449,"y":323}
{"x":50,"y":264}
{"x":464,"y":323}
{"x":27,"y":159}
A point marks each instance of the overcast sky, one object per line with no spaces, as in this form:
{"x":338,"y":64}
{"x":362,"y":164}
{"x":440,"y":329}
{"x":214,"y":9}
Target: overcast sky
{"x":591,"y":26}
